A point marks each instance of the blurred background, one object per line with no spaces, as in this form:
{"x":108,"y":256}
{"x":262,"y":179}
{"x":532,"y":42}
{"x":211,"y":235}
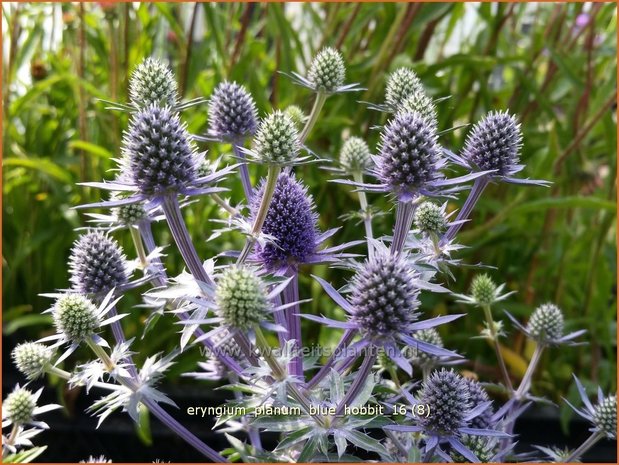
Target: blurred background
{"x":553,"y":64}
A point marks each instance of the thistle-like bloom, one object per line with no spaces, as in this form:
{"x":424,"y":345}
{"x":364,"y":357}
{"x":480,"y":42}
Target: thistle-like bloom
{"x":32,"y":359}
{"x":296,"y":115}
{"x":383,"y":306}
{"x":355,"y":156}
{"x":326,"y":74}
{"x":479,"y":396}
{"x":20,"y":408}
{"x":98,"y":459}
{"x":277,"y":140}
{"x":419,"y":102}
{"x":602,"y":416}
{"x":446,"y":396}
{"x":402,"y":84}
{"x":483,"y":292}
{"x":430,"y":218}
{"x":152,"y":82}
{"x":546,"y":327}
{"x":425,"y":360}
{"x":232,"y":112}
{"x":494,"y":144}
{"x":97,"y":264}
{"x":291,"y":225}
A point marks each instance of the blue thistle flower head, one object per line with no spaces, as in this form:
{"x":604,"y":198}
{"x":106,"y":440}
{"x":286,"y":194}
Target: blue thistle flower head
{"x":401,"y":84}
{"x":152,"y":82}
{"x":478,"y":396}
{"x":410,"y":156}
{"x":447,"y":397}
{"x":158,"y":156}
{"x":232,"y":112}
{"x":97,"y":264}
{"x":291,"y":221}
{"x":494,"y":143}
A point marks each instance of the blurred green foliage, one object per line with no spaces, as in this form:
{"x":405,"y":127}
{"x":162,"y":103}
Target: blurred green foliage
{"x":552,"y":64}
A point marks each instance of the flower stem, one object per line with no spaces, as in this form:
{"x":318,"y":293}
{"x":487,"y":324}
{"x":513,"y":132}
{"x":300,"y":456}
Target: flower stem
{"x":265,"y":203}
{"x":139,"y":246}
{"x":52,"y":370}
{"x":243,"y":170}
{"x":584,"y":447}
{"x":181,"y":236}
{"x":525,"y":384}
{"x":361,"y":377}
{"x":403,"y":221}
{"x":497,"y":348}
{"x":321,"y":97}
{"x":293,"y":324}
{"x":478,"y":188}
{"x":225,"y":205}
{"x":347,"y":337}
{"x":119,"y":336}
{"x":367,"y":217}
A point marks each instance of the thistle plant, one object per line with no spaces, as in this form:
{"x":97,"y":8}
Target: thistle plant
{"x":245,"y":308}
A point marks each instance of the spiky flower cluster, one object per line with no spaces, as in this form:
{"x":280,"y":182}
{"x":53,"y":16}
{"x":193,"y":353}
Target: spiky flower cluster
{"x":494,"y":143}
{"x":409,"y":153}
{"x":277,"y":140}
{"x":477,"y":396}
{"x":485,"y":448}
{"x":605,"y":416}
{"x":355,"y":155}
{"x":446,"y":395}
{"x":290,"y":220}
{"x":419,"y":357}
{"x":32,"y":359}
{"x":232,"y":111}
{"x":241,"y":297}
{"x":419,"y":102}
{"x":152,"y":82}
{"x":429,"y":218}
{"x":158,"y":155}
{"x":129,"y":215}
{"x":327,"y":71}
{"x":483,"y":290}
{"x":20,"y":405}
{"x":76,"y":317}
{"x":97,"y":264}
{"x":384,"y":296}
{"x":546,"y":323}
{"x":402,"y":84}
{"x":296,"y":115}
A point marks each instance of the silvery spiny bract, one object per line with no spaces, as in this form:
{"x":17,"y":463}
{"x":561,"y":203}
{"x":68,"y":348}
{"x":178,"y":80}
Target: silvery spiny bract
{"x":232,"y":112}
{"x":152,"y":82}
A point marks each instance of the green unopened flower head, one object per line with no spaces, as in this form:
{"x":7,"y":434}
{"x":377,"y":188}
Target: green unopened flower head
{"x":429,"y":218}
{"x":32,"y":359}
{"x":296,"y":115}
{"x":20,"y":405}
{"x":241,"y":298}
{"x":152,"y":82}
{"x":129,"y":215}
{"x":419,"y":357}
{"x":76,"y":317}
{"x":483,"y":289}
{"x":546,"y":323}
{"x":355,"y":155}
{"x":419,"y":102}
{"x":277,"y":140}
{"x":327,"y":71}
{"x":484,"y":448}
{"x":402,"y":84}
{"x":605,"y":416}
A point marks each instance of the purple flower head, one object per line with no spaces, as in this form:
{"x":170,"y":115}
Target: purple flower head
{"x":232,"y":112}
{"x":97,"y":264}
{"x":479,"y":396}
{"x":602,"y":416}
{"x":291,"y":221}
{"x":158,"y":155}
{"x":410,"y":157}
{"x":152,"y":82}
{"x":494,"y":143}
{"x":445,"y":393}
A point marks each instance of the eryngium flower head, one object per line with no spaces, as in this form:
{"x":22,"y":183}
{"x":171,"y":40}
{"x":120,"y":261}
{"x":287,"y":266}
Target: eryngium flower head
{"x":355,"y":155}
{"x":97,"y":264}
{"x":152,"y":82}
{"x":401,"y":84}
{"x":429,"y":218}
{"x":32,"y":359}
{"x":19,"y":406}
{"x":409,"y":153}
{"x":605,"y":416}
{"x":327,"y":71}
{"x":296,"y":115}
{"x":158,"y":155}
{"x":290,"y":220}
{"x":447,"y":397}
{"x":128,"y":215}
{"x":419,"y":102}
{"x":485,"y":448}
{"x":431,"y":336}
{"x":76,"y":317}
{"x":494,"y":143}
{"x":546,"y":323}
{"x":483,"y":289}
{"x":241,"y":298}
{"x":232,"y":112}
{"x":384,"y":296}
{"x":477,"y":396}
{"x":277,"y":139}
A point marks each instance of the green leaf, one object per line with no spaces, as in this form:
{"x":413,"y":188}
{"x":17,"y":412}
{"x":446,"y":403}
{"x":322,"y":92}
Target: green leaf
{"x":25,"y":456}
{"x":566,"y":202}
{"x":89,"y":147}
{"x":42,"y":165}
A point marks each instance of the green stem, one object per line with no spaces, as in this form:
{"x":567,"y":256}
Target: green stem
{"x":525,"y":384}
{"x":225,"y":205}
{"x":584,"y":447}
{"x":497,"y":348}
{"x":321,"y":97}
{"x":367,"y":217}
{"x":265,"y":203}
{"x":139,"y":246}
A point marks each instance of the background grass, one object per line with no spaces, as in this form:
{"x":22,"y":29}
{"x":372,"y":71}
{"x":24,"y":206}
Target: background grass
{"x":552,"y":64}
